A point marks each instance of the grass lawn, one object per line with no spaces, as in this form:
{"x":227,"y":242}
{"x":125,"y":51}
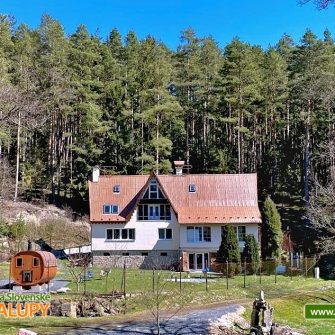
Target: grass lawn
{"x":289,"y":311}
{"x":4,"y":269}
{"x":287,"y":296}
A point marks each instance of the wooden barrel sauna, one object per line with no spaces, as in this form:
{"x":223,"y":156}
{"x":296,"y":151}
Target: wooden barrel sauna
{"x":31,"y":268}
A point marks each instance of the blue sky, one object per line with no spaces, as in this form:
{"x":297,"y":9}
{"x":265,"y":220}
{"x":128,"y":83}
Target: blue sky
{"x":254,"y":21}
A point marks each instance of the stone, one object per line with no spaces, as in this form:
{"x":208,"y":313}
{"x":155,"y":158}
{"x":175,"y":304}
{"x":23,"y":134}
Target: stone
{"x":69,"y":309}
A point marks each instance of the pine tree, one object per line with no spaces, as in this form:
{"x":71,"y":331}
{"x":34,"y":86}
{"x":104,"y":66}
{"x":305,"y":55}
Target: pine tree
{"x":241,"y":81}
{"x":272,"y":235}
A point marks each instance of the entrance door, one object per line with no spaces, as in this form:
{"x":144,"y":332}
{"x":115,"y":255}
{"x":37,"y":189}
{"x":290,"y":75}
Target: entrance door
{"x":191,"y":262}
{"x":154,"y":212}
{"x":26,"y":276}
{"x":200,"y":261}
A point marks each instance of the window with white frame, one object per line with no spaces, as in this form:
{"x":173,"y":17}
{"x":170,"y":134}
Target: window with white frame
{"x":153,"y":212}
{"x":110,"y":209}
{"x":198,"y":234}
{"x":240,"y":232}
{"x":192,"y":188}
{"x":165,"y":233}
{"x":115,"y":234}
{"x":116,"y":189}
{"x":153,"y":191}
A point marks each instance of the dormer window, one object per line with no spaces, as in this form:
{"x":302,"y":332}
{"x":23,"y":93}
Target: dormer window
{"x":116,"y":189}
{"x":111,"y":209}
{"x":153,"y":191}
{"x":192,"y":188}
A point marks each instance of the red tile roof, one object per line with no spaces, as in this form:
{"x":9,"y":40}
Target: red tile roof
{"x":101,"y":193}
{"x":219,"y":198}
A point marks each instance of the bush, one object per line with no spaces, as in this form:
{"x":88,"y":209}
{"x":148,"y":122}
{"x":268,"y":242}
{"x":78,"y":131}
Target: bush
{"x":269,"y":267}
{"x":327,"y":266}
{"x":233,"y":268}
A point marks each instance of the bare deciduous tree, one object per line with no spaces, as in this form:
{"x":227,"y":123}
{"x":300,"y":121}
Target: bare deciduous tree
{"x":165,"y":300}
{"x":77,"y":266}
{"x":19,"y":111}
{"x":6,"y":180}
{"x":320,"y":4}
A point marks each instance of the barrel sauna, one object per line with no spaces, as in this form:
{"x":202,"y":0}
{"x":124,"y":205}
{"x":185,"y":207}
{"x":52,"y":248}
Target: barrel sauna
{"x":31,"y":268}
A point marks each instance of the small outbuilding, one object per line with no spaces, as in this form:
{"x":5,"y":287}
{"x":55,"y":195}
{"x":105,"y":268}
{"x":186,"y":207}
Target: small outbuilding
{"x":31,"y":268}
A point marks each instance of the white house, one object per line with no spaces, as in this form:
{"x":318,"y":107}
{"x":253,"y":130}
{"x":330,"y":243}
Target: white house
{"x":155,"y":220}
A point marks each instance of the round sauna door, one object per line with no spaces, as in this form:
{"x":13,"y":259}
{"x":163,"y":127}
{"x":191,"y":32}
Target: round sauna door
{"x":26,"y":276}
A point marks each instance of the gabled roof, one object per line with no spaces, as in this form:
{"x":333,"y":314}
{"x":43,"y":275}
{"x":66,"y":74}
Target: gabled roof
{"x":219,"y":198}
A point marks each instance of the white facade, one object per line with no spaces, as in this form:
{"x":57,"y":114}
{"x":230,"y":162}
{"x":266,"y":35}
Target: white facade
{"x":214,"y":244}
{"x":146,"y":235}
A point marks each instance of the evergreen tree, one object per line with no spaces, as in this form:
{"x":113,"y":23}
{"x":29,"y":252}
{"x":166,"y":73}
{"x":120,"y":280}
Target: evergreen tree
{"x":251,"y":252}
{"x":272,"y":235}
{"x":229,"y":248}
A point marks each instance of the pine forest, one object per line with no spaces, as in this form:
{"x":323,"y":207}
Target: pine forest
{"x":130,"y":106}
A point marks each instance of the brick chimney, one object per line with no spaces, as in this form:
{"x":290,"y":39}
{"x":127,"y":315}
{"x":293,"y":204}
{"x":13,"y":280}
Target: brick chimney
{"x":179,"y":167}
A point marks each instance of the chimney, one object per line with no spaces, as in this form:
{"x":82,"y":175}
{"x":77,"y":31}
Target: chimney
{"x":29,"y":245}
{"x":96,"y":174}
{"x":179,"y":167}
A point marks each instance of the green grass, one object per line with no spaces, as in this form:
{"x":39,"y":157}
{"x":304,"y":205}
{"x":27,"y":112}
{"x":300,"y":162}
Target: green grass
{"x":297,"y":291}
{"x":289,"y":311}
{"x":4,"y":270}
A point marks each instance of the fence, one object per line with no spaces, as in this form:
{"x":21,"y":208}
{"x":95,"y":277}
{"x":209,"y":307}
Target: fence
{"x":220,"y":275}
{"x":302,"y":266}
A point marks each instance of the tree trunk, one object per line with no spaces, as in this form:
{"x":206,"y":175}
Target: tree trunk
{"x":17,"y":156}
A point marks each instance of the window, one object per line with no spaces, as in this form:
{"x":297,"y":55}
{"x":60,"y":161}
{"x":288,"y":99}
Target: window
{"x":115,"y":209}
{"x":19,"y":262}
{"x":192,"y":188}
{"x":153,"y":191}
{"x":124,"y":234}
{"x":144,"y":254}
{"x":116,"y":189}
{"x":240,"y":233}
{"x":163,"y":253}
{"x":131,"y":234}
{"x":36,"y":262}
{"x":107,"y":254}
{"x":120,"y":234}
{"x":125,"y":254}
{"x":116,"y":235}
{"x":198,"y":234}
{"x":154,"y":212}
{"x":107,"y":209}
{"x":111,"y":209}
{"x":207,"y":234}
{"x":165,"y":234}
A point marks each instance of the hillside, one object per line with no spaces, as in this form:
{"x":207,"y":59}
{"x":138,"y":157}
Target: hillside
{"x":45,"y":225}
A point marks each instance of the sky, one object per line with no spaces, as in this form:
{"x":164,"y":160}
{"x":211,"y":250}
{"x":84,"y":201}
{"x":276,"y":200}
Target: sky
{"x":258,"y":22}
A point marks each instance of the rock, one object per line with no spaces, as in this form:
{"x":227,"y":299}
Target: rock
{"x":69,"y":309}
